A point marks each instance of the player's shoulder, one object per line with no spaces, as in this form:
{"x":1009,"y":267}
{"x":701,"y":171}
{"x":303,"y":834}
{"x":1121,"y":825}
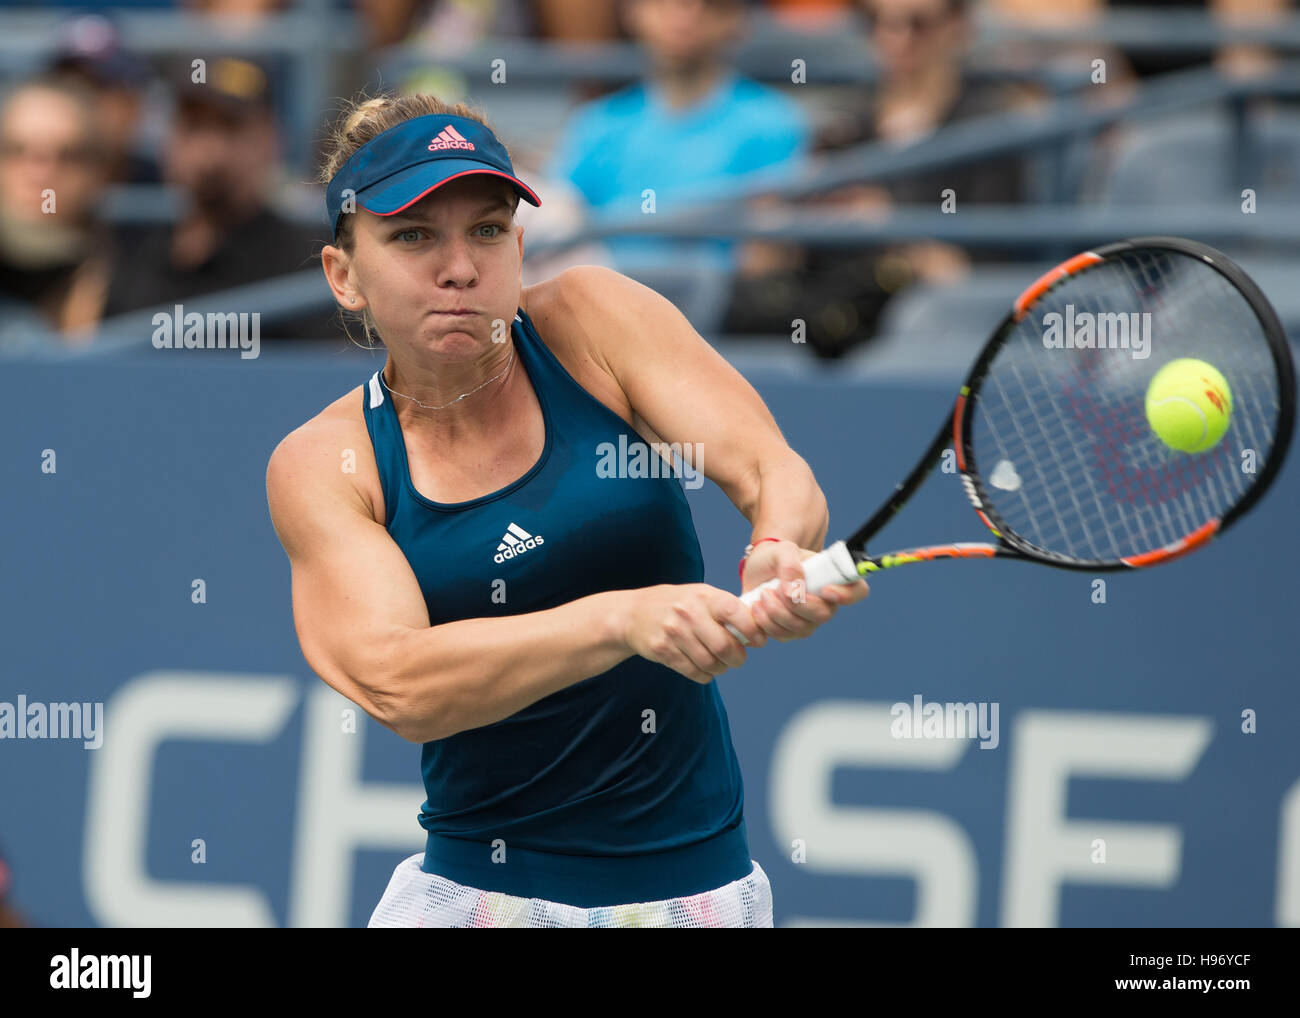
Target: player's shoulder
{"x":308,"y":458}
{"x":584,"y":306}
{"x":342,"y":417}
{"x":588,"y":315}
{"x":571,"y":290}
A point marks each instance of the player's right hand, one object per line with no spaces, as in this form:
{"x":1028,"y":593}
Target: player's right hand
{"x":683,"y":626}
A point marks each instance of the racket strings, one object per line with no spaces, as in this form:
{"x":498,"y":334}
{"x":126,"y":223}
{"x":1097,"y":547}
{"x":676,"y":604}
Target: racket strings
{"x":1059,"y":433}
{"x":1054,"y":514}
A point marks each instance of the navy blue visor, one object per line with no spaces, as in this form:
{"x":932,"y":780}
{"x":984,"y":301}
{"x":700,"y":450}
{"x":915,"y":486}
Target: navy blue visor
{"x":397,"y":168}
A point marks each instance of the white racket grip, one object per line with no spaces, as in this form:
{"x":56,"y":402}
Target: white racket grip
{"x":833,"y":565}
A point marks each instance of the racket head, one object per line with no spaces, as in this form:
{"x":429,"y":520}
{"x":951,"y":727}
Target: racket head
{"x":1052,"y":443}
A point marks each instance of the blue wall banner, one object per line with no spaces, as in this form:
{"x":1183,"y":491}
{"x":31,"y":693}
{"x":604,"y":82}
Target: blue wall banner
{"x":1133,"y":756}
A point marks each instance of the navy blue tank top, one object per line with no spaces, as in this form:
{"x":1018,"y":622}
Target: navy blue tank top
{"x":584,"y":797}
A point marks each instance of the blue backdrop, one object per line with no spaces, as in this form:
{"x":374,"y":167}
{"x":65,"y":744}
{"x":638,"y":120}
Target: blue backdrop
{"x":230,"y":788}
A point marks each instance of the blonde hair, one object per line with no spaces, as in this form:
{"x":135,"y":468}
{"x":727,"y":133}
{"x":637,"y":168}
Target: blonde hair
{"x":361,"y":120}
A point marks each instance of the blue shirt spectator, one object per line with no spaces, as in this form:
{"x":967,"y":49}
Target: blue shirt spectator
{"x":617,"y":147}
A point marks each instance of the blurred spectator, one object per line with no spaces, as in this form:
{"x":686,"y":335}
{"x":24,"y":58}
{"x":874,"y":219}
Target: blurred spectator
{"x":445,"y":26}
{"x":576,"y":20}
{"x":1059,"y":38}
{"x":441,"y":27}
{"x":91,"y":52}
{"x":919,"y":47}
{"x":222,"y":153}
{"x":54,"y":253}
{"x":247,"y":9}
{"x":1208,"y":157}
{"x":1080,"y":15}
{"x":1183,"y":157}
{"x":809,"y":14}
{"x":1245,"y":60}
{"x":695,"y":121}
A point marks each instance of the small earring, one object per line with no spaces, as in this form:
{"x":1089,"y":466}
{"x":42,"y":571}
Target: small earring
{"x":352,"y":300}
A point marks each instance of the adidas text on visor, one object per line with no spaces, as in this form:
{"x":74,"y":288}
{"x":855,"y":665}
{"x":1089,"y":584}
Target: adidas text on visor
{"x":397,"y":168}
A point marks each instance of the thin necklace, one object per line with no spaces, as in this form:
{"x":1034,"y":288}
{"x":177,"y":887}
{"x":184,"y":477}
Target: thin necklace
{"x":444,"y":406}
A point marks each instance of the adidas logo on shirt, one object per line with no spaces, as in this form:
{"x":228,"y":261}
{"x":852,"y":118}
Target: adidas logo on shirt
{"x":449,"y":137}
{"x":516,"y":541}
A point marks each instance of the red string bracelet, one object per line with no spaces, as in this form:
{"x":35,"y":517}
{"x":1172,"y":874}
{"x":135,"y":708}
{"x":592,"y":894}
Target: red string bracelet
{"x":749,"y":549}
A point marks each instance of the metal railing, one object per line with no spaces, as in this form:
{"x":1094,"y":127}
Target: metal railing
{"x":711,"y":212}
{"x":841,"y":55}
{"x":1054,"y":129}
{"x":313,"y":33}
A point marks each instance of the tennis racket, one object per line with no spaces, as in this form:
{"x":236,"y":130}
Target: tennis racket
{"x":1049,"y":431}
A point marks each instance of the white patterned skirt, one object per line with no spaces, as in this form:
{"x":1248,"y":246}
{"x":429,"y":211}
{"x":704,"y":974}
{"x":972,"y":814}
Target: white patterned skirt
{"x":416,"y":898}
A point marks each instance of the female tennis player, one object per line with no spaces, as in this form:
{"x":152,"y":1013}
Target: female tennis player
{"x":466,"y":571}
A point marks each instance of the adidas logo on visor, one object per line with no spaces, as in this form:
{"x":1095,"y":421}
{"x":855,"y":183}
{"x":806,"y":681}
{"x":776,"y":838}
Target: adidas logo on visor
{"x":516,"y":541}
{"x":449,"y":137}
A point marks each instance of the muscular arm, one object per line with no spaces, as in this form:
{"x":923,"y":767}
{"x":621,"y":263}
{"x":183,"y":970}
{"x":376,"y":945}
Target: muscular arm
{"x":365,"y":630}
{"x":677,"y":387}
{"x":685,"y":391}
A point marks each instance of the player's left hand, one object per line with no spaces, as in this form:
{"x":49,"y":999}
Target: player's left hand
{"x":794,"y":612}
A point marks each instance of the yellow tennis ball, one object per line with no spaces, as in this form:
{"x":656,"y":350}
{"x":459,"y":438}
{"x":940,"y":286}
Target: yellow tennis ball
{"x":1189,"y":405}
